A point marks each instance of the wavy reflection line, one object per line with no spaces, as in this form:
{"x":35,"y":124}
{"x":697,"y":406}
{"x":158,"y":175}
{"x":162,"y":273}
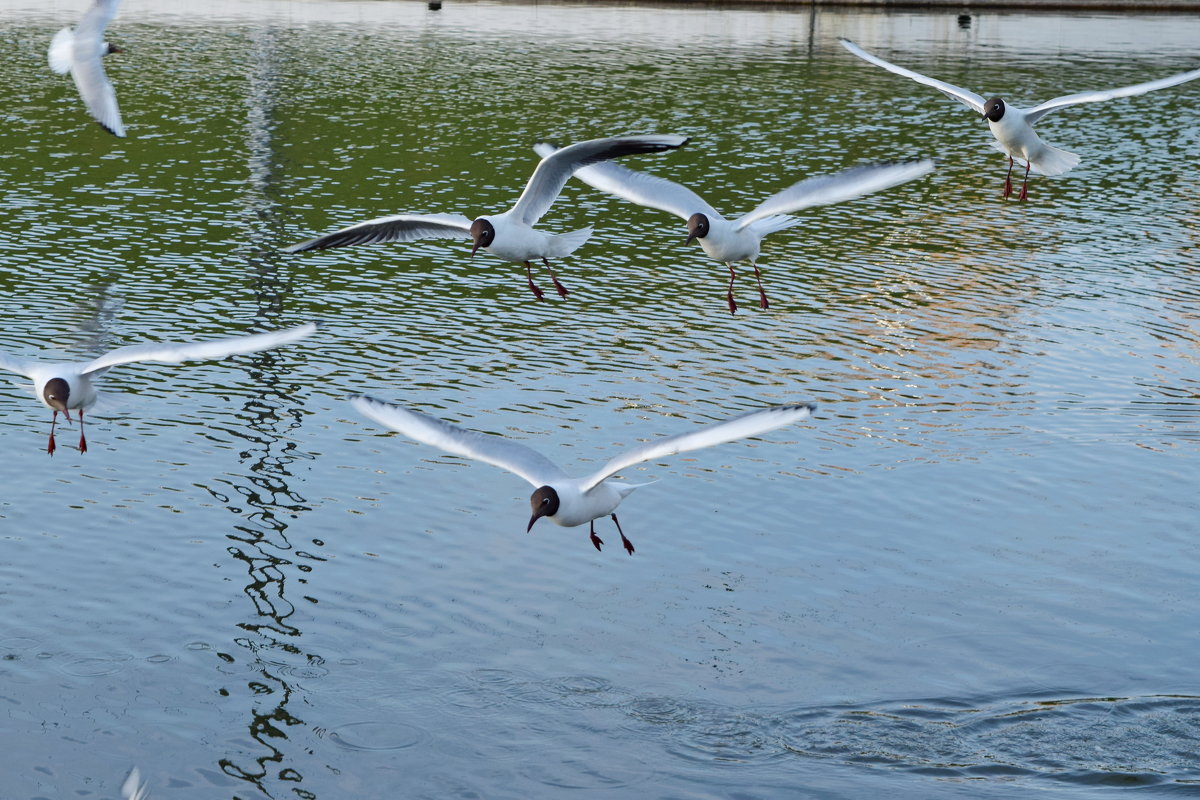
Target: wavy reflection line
{"x":263,"y":497}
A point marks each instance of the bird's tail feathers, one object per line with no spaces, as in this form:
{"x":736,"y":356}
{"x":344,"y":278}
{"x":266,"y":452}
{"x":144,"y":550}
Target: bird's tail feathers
{"x":563,"y":244}
{"x":1050,"y":161}
{"x":60,"y":51}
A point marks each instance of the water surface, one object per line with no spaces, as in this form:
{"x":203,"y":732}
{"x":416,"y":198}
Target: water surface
{"x":973,"y":572}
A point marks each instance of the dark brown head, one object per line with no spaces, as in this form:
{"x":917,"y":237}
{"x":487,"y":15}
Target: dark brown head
{"x":112,"y":48}
{"x":56,"y":393}
{"x":993,"y":109}
{"x":482,"y":233}
{"x":697,"y":227}
{"x":545,"y":504}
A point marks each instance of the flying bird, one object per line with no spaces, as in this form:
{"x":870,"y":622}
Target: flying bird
{"x":79,"y":52}
{"x":62,"y":387}
{"x":1013,"y":127}
{"x":731,"y":240}
{"x":509,"y":235}
{"x":564,"y":500}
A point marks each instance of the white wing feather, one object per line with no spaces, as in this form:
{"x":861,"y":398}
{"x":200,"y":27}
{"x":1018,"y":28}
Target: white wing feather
{"x":133,"y":788}
{"x":845,"y":185}
{"x":1037,"y":112}
{"x":176,"y":352}
{"x":751,"y":424}
{"x":639,"y":187}
{"x":495,"y":450}
{"x":964,"y":96}
{"x":552,"y":172}
{"x":17,"y":365}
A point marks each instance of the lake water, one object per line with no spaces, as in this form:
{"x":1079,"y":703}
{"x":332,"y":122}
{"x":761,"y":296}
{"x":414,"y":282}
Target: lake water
{"x":973,"y":573}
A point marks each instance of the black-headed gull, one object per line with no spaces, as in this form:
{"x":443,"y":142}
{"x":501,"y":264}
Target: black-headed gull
{"x":62,"y":387}
{"x":1013,"y":127}
{"x":509,"y":235}
{"x":739,"y":239}
{"x":564,"y":500}
{"x":79,"y":52}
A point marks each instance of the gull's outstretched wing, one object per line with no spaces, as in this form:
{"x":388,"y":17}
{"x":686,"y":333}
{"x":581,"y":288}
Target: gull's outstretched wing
{"x":751,"y":424}
{"x":88,"y":48}
{"x":964,"y":96}
{"x":1037,"y":112}
{"x":845,"y":185}
{"x":396,"y":228}
{"x":552,"y":172}
{"x":17,"y":365}
{"x":495,"y":450}
{"x":639,"y":187}
{"x":175,"y":352}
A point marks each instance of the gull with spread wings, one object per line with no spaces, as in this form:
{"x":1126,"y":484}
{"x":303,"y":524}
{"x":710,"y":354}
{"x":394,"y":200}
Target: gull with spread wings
{"x":564,"y":500}
{"x":62,"y":387}
{"x":509,"y":235}
{"x":1013,"y":126}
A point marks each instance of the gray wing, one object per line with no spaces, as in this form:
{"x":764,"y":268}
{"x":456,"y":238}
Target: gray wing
{"x":751,"y":424}
{"x":17,"y":365}
{"x":845,"y":185}
{"x":1037,"y":112}
{"x":176,"y":352}
{"x":638,"y":187}
{"x":396,"y":228}
{"x":964,"y":96}
{"x":88,"y":49}
{"x":495,"y":450}
{"x":552,"y":172}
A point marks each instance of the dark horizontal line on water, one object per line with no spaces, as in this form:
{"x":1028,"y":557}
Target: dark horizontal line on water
{"x":959,"y":5}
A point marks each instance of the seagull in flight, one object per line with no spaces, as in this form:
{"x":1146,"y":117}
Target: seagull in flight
{"x":1013,"y":127}
{"x":79,"y":52}
{"x":564,"y":500}
{"x":730,"y":240}
{"x":509,"y":235}
{"x":62,"y":387}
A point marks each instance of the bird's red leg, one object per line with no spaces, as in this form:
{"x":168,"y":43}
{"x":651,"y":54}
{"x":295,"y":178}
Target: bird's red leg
{"x":1025,"y":186}
{"x":729,"y":295}
{"x":1008,"y":179}
{"x":596,"y":540}
{"x":762,"y":295}
{"x":82,"y":440}
{"x":533,"y":287}
{"x":628,"y":544}
{"x":50,"y":448}
{"x":562,"y":290}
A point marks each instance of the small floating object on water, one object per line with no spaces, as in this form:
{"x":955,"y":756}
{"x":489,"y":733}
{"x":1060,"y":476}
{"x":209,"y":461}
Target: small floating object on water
{"x":739,"y":239}
{"x":62,"y":387}
{"x":509,"y":235}
{"x":79,"y":52}
{"x":1013,"y":127}
{"x":564,"y":500}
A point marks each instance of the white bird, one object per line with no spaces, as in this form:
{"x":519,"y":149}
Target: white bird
{"x":740,"y":239}
{"x":62,"y":387}
{"x":509,"y":235}
{"x":1013,"y":127}
{"x":564,"y":500}
{"x":134,"y":788}
{"x":79,"y":52}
